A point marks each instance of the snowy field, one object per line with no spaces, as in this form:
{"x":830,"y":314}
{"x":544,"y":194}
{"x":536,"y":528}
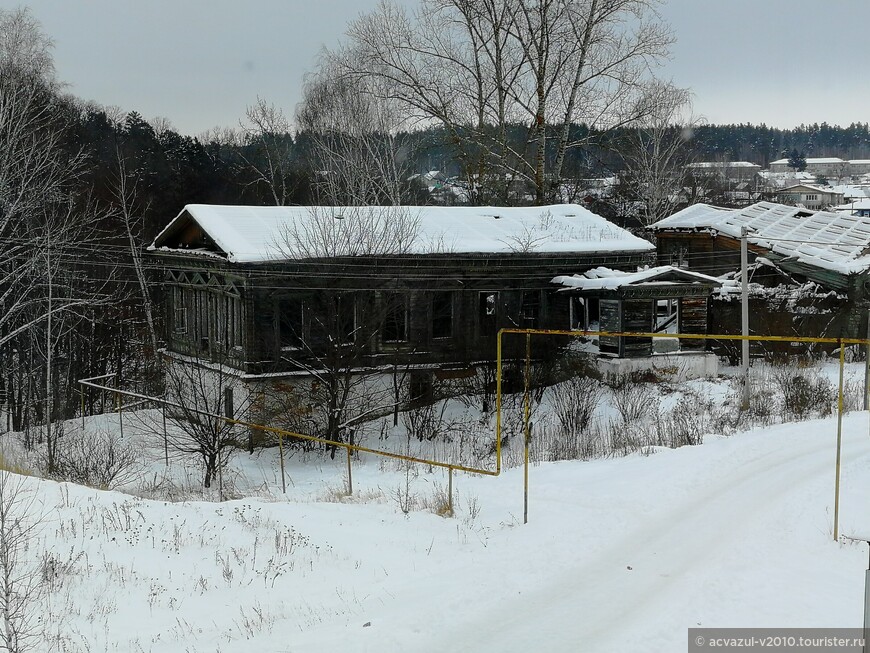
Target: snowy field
{"x":620,"y":554}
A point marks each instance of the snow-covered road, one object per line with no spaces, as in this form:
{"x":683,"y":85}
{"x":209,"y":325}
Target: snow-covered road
{"x":628,"y":554}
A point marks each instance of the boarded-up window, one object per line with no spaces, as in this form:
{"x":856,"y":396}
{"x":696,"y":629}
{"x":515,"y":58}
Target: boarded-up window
{"x":442,"y":315}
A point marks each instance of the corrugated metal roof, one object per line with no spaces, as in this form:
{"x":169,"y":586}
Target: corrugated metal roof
{"x":832,"y":241}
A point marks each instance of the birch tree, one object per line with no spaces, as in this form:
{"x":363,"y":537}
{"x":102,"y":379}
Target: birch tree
{"x":21,"y":587}
{"x":655,"y":154}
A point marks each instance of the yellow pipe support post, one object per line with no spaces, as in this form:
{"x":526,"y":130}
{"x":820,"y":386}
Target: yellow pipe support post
{"x":450,"y":489}
{"x":120,"y":413}
{"x":281,"y":455}
{"x":526,"y":413}
{"x":165,"y":436}
{"x":349,"y":472}
{"x":839,"y":445}
{"x":498,"y":403}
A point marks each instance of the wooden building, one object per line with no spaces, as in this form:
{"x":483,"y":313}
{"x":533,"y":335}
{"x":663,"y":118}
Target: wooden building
{"x":826,"y":248}
{"x":655,"y":300}
{"x":272,"y":291}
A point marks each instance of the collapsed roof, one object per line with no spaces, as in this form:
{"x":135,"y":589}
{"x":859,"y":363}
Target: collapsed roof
{"x":822,"y":239}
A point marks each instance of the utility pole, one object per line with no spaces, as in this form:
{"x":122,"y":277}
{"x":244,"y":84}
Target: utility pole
{"x":744,"y":300}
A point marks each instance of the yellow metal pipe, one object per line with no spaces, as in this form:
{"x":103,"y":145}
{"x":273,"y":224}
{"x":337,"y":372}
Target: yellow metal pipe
{"x":692,"y":336}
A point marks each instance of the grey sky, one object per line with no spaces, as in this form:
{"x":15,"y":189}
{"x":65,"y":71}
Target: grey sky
{"x":200,"y":62}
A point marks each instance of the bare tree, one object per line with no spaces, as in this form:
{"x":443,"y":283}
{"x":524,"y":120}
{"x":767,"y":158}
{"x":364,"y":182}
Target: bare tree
{"x":331,"y":332}
{"x":201,"y":390}
{"x":20,"y":583}
{"x":126,"y":198}
{"x":268,"y":150}
{"x":335,"y":231}
{"x":36,"y":173}
{"x":655,"y":154}
{"x":478,"y":67}
{"x":360,"y":150}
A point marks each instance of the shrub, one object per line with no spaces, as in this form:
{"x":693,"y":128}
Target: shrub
{"x":102,"y":459}
{"x":804,"y":392}
{"x":574,"y":402}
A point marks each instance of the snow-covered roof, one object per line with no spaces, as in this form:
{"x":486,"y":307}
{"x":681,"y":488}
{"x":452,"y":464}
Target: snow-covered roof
{"x":823,"y":239}
{"x":849,"y":190}
{"x":694,"y":216}
{"x":860,"y":161}
{"x":723,"y":164}
{"x":819,"y":160}
{"x":781,"y":179}
{"x":857,"y":205}
{"x":607,"y":279}
{"x":256,"y":234}
{"x":810,"y":187}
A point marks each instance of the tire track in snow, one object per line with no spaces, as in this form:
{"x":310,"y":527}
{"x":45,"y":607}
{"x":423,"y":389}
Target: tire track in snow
{"x":597,"y":600}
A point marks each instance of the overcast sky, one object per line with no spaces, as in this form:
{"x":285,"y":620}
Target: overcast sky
{"x":200,"y":62}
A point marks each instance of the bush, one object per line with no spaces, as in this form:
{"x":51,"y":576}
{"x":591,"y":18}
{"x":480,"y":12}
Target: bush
{"x":574,"y":402}
{"x":805,"y":393}
{"x":101,"y":459}
{"x":633,"y":399}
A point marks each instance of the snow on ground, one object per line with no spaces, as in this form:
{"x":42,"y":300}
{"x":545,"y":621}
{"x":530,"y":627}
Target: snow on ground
{"x":619,"y":554}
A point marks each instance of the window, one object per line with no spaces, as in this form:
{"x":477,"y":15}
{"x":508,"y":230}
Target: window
{"x":179,"y":311}
{"x":219,"y":327}
{"x":223,"y":330}
{"x":395,"y":324}
{"x":442,"y":315}
{"x":345,"y":317}
{"x":811,"y":197}
{"x":577,"y":314}
{"x":487,"y":313}
{"x":530,"y":309}
{"x":288,"y":315}
{"x":200,"y":300}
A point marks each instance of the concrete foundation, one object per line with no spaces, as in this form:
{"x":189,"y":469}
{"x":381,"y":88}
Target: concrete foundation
{"x":678,"y":366}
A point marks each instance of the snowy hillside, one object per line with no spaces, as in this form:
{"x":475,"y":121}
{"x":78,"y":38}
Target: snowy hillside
{"x":619,"y":554}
